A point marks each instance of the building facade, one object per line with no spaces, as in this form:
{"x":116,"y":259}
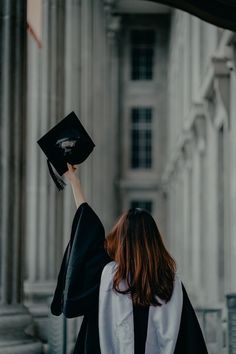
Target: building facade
{"x":200,"y":166}
{"x":155,"y":89}
{"x":143,"y":49}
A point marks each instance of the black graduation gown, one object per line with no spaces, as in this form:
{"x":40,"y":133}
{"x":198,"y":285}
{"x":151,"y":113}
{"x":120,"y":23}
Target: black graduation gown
{"x":77,"y":291}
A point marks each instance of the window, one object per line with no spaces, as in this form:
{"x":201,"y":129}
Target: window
{"x":144,"y":204}
{"x":141,"y":138}
{"x":142,"y":52}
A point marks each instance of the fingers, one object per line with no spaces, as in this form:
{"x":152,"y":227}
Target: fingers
{"x":71,"y":168}
{"x":68,"y":166}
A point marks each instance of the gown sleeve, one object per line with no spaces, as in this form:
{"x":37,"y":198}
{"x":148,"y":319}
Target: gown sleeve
{"x":190,"y":337}
{"x":78,"y":282}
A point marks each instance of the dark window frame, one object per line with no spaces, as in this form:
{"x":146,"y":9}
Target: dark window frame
{"x":141,"y":138}
{"x":142,"y":45}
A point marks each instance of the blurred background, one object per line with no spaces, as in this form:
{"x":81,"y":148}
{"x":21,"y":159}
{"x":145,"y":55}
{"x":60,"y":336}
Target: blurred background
{"x":155,"y":87}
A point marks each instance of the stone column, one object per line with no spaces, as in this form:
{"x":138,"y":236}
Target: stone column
{"x":72,"y":101}
{"x":37,"y":229}
{"x":181,"y":212}
{"x":178,"y":213}
{"x":198,"y":184}
{"x":100,"y":106}
{"x":200,"y":125}
{"x":54,"y":114}
{"x":174,"y":216}
{"x":86,"y":89}
{"x":168,"y":216}
{"x":195,"y":38}
{"x":172,"y":208}
{"x":195,"y":219}
{"x":14,"y":316}
{"x":204,"y":220}
{"x":217,"y":110}
{"x":185,"y":247}
{"x":45,"y":235}
{"x":189,"y":210}
{"x":211,"y":215}
{"x":233,"y":177}
{"x":171,"y":216}
{"x":98,"y":90}
{"x":187,"y":58}
{"x":112,"y":117}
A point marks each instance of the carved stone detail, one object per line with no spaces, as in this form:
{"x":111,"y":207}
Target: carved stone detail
{"x":199,"y":127}
{"x":112,"y":21}
{"x":188,"y":148}
{"x":217,"y":95}
{"x":113,"y":27}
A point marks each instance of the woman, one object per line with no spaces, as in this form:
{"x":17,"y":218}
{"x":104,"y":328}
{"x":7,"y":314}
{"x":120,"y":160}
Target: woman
{"x":125,"y":286}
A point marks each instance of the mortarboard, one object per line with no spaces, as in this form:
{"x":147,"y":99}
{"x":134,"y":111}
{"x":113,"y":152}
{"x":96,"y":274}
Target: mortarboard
{"x":67,"y":141}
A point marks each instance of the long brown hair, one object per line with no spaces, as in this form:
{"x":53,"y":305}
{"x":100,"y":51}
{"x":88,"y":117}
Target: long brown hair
{"x":136,"y":245}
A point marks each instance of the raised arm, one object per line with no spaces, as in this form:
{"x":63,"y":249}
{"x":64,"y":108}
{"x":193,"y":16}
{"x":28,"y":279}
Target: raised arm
{"x":77,"y":289}
{"x":75,"y":184}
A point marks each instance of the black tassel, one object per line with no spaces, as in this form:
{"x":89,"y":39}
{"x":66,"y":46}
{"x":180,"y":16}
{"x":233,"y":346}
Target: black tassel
{"x":57,"y":179}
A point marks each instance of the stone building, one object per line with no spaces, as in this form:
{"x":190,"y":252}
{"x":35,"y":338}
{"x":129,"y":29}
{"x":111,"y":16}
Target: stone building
{"x":155,"y":89}
{"x":200,"y":167}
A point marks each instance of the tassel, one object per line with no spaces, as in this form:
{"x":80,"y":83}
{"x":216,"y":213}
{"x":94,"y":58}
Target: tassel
{"x":57,"y":179}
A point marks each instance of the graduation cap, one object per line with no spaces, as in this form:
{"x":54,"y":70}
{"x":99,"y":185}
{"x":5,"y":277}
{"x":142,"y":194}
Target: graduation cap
{"x":67,"y":141}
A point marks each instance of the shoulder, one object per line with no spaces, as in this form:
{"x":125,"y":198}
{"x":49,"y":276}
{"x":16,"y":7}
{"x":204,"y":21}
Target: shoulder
{"x":177,"y":281}
{"x":86,"y":215}
{"x":107,"y":276}
{"x":109,"y":268}
{"x":177,"y":294}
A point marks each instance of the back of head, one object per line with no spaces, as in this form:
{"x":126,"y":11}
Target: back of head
{"x":136,"y":245}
